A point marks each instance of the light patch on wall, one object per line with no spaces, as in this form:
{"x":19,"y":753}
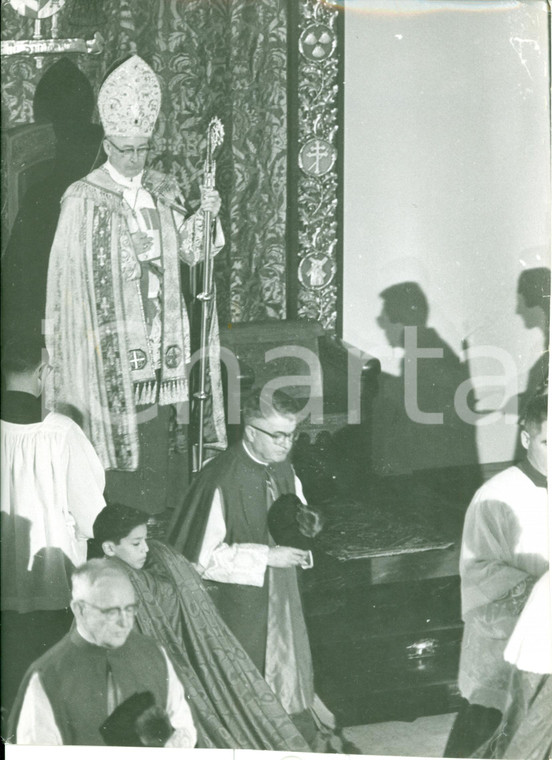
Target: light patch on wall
{"x":446,"y":180}
{"x":520,"y":46}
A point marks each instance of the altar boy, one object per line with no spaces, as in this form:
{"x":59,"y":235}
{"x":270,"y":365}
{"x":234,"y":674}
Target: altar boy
{"x":51,"y":491}
{"x":504,"y":552}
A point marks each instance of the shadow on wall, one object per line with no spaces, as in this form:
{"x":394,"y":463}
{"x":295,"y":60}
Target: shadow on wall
{"x":533,"y":306}
{"x":28,"y":634}
{"x":64,"y":98}
{"x":417,"y":426}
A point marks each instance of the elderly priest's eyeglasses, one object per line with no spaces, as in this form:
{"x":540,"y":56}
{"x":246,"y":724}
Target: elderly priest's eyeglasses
{"x":141,"y":151}
{"x":113,"y":613}
{"x":277,"y":437}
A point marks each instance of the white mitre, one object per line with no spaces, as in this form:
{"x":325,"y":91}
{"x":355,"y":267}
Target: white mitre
{"x":130,"y":99}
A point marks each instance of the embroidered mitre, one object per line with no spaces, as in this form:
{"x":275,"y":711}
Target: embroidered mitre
{"x":130,"y":99}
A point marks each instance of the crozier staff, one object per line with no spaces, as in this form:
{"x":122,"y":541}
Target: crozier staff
{"x":117,"y":324}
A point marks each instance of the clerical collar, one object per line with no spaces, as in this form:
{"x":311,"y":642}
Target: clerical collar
{"x":537,"y":477}
{"x":251,"y":455}
{"x":77,"y":631}
{"x":132,"y":182}
{"x":21,"y":408}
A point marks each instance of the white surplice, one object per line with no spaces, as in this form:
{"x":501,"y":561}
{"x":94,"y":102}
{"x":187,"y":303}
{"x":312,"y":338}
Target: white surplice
{"x":51,"y":490}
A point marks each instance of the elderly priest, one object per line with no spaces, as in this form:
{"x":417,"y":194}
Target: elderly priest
{"x":75,"y":692}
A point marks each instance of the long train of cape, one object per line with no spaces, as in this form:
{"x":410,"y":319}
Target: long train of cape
{"x":232,"y":704}
{"x":526,"y":729}
{"x":237,"y":470}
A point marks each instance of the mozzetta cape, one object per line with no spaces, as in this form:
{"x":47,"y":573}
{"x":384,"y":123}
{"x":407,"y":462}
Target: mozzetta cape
{"x":232,"y":705}
{"x":268,"y":621}
{"x":242,"y":482}
{"x":96,"y":331}
{"x":73,"y":676}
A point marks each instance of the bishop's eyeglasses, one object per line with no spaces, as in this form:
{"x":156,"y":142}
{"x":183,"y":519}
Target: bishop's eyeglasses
{"x":278,"y":437}
{"x":129,"y":152}
{"x":111,"y":614}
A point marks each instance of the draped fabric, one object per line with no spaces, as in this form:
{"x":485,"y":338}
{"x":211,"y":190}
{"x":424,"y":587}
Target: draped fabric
{"x":101,"y":369}
{"x":526,"y":729}
{"x":268,"y":620}
{"x":231,"y":703}
{"x":214,"y":57}
{"x":504,"y":551}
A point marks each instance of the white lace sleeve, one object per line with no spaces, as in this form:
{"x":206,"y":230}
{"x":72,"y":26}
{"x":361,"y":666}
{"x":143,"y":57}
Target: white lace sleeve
{"x":229,"y":563}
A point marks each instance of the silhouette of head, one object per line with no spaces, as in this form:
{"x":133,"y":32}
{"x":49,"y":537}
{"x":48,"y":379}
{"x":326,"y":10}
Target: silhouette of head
{"x":64,"y":96}
{"x":533,"y":303}
{"x":404,"y":305}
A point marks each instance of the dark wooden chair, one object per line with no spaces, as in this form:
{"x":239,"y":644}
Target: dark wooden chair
{"x":335,"y":385}
{"x":28,"y":153}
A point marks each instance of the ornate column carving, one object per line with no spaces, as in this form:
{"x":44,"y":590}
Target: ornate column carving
{"x":318,"y":159}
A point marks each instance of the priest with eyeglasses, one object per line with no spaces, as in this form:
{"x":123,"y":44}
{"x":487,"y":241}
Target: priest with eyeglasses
{"x":117,"y":325}
{"x":222,"y":527}
{"x":103,"y":683}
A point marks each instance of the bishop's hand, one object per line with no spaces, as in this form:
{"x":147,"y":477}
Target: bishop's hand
{"x":210,"y":201}
{"x":142,"y":242}
{"x":286,"y":556}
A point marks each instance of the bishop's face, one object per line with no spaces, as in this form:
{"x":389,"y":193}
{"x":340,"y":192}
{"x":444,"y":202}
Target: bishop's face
{"x":270,"y":438}
{"x":127,"y":154}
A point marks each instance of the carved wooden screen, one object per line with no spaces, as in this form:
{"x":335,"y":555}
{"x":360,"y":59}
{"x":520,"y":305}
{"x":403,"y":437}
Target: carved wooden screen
{"x":315,"y":154}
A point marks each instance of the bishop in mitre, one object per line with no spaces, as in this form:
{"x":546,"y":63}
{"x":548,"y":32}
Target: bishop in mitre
{"x":117,"y":328}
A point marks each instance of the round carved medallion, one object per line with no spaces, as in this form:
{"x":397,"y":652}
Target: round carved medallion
{"x":317,"y":157}
{"x":317,"y":42}
{"x":316,"y":271}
